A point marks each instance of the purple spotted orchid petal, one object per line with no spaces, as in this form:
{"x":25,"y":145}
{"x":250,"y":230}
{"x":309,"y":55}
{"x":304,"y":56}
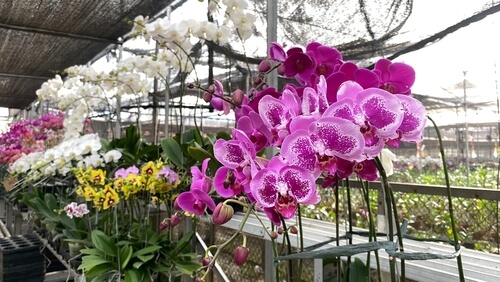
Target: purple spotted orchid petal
{"x":310,"y":102}
{"x":338,"y":137}
{"x":300,"y":182}
{"x":297,"y":149}
{"x":414,"y":119}
{"x":264,"y":187}
{"x":349,"y":90}
{"x":345,"y":109}
{"x":381,"y":110}
{"x":230,"y":153}
{"x":301,"y":122}
{"x":276,"y":116}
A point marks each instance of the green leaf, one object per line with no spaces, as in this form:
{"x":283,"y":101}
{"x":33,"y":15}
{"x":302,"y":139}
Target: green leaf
{"x":187,"y":267}
{"x":100,"y":272}
{"x":147,"y":250}
{"x":358,"y":272}
{"x":183,"y":242}
{"x":146,"y":258}
{"x":51,"y":201}
{"x":103,"y":243}
{"x":125,"y":255}
{"x":172,"y":151}
{"x":138,"y":264}
{"x":91,"y":261}
{"x":91,"y":251}
{"x":132,"y":275}
{"x":347,"y":250}
{"x":197,"y":136}
{"x":199,"y":154}
{"x":223,"y":135}
{"x":42,"y":208}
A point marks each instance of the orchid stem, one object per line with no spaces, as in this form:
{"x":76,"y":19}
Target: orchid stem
{"x":391,"y":206}
{"x":450,"y":203}
{"x":229,"y":241}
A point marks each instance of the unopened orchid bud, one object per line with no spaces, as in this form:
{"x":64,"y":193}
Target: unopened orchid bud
{"x":294,"y":229}
{"x":206,"y":260}
{"x":274,"y":235}
{"x":280,"y":230}
{"x":190,"y":85}
{"x":281,"y":69}
{"x":163,"y":225}
{"x":241,"y":255}
{"x":222,"y":213}
{"x":207,"y":97}
{"x":238,"y":96}
{"x":264,"y":66}
{"x":257,"y":80}
{"x":175,"y":220}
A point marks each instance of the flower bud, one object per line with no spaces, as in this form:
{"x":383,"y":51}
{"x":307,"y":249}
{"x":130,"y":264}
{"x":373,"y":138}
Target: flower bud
{"x":274,"y":235}
{"x":175,"y":220}
{"x":238,"y":96}
{"x":190,"y":85}
{"x":163,"y":225}
{"x":257,"y":80}
{"x":294,"y":229}
{"x":211,"y":89}
{"x":222,"y":213}
{"x":206,"y":260}
{"x":281,"y":69}
{"x":280,"y":230}
{"x":207,"y":97}
{"x":241,"y":255}
{"x":264,"y":66}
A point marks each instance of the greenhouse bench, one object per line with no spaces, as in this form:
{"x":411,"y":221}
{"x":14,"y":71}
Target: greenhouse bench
{"x":478,"y":266}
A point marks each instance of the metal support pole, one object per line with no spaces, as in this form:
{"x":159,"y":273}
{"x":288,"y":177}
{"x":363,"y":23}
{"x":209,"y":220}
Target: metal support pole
{"x":167,"y":91}
{"x":466,"y":137}
{"x":118,"y":125}
{"x":272,"y":35}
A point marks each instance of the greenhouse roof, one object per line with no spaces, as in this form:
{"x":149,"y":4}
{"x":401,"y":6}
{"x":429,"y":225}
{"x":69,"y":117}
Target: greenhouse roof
{"x":42,"y":38}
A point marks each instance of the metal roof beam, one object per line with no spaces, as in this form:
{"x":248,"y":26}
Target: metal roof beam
{"x":58,"y":33}
{"x":2,"y":74}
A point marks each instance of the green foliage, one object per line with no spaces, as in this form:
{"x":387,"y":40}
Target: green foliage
{"x":138,"y":256}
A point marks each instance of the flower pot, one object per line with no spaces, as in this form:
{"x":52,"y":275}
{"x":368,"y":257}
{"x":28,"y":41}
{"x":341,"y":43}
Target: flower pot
{"x":74,"y":249}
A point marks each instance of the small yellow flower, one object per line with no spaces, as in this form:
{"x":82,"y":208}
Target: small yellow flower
{"x":98,"y":176}
{"x":89,"y":193}
{"x":150,"y":169}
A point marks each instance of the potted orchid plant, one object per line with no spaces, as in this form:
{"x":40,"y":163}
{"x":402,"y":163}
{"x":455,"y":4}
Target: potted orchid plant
{"x":333,"y":123}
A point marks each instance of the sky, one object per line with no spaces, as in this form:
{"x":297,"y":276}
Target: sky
{"x":440,"y":67}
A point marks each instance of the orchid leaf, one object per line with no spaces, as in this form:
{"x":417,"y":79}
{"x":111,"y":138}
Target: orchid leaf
{"x":131,"y":275}
{"x":125,"y":255}
{"x":199,"y":154}
{"x":146,"y":250}
{"x":172,"y":151}
{"x":358,"y":271}
{"x":103,"y":243}
{"x":91,"y":261}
